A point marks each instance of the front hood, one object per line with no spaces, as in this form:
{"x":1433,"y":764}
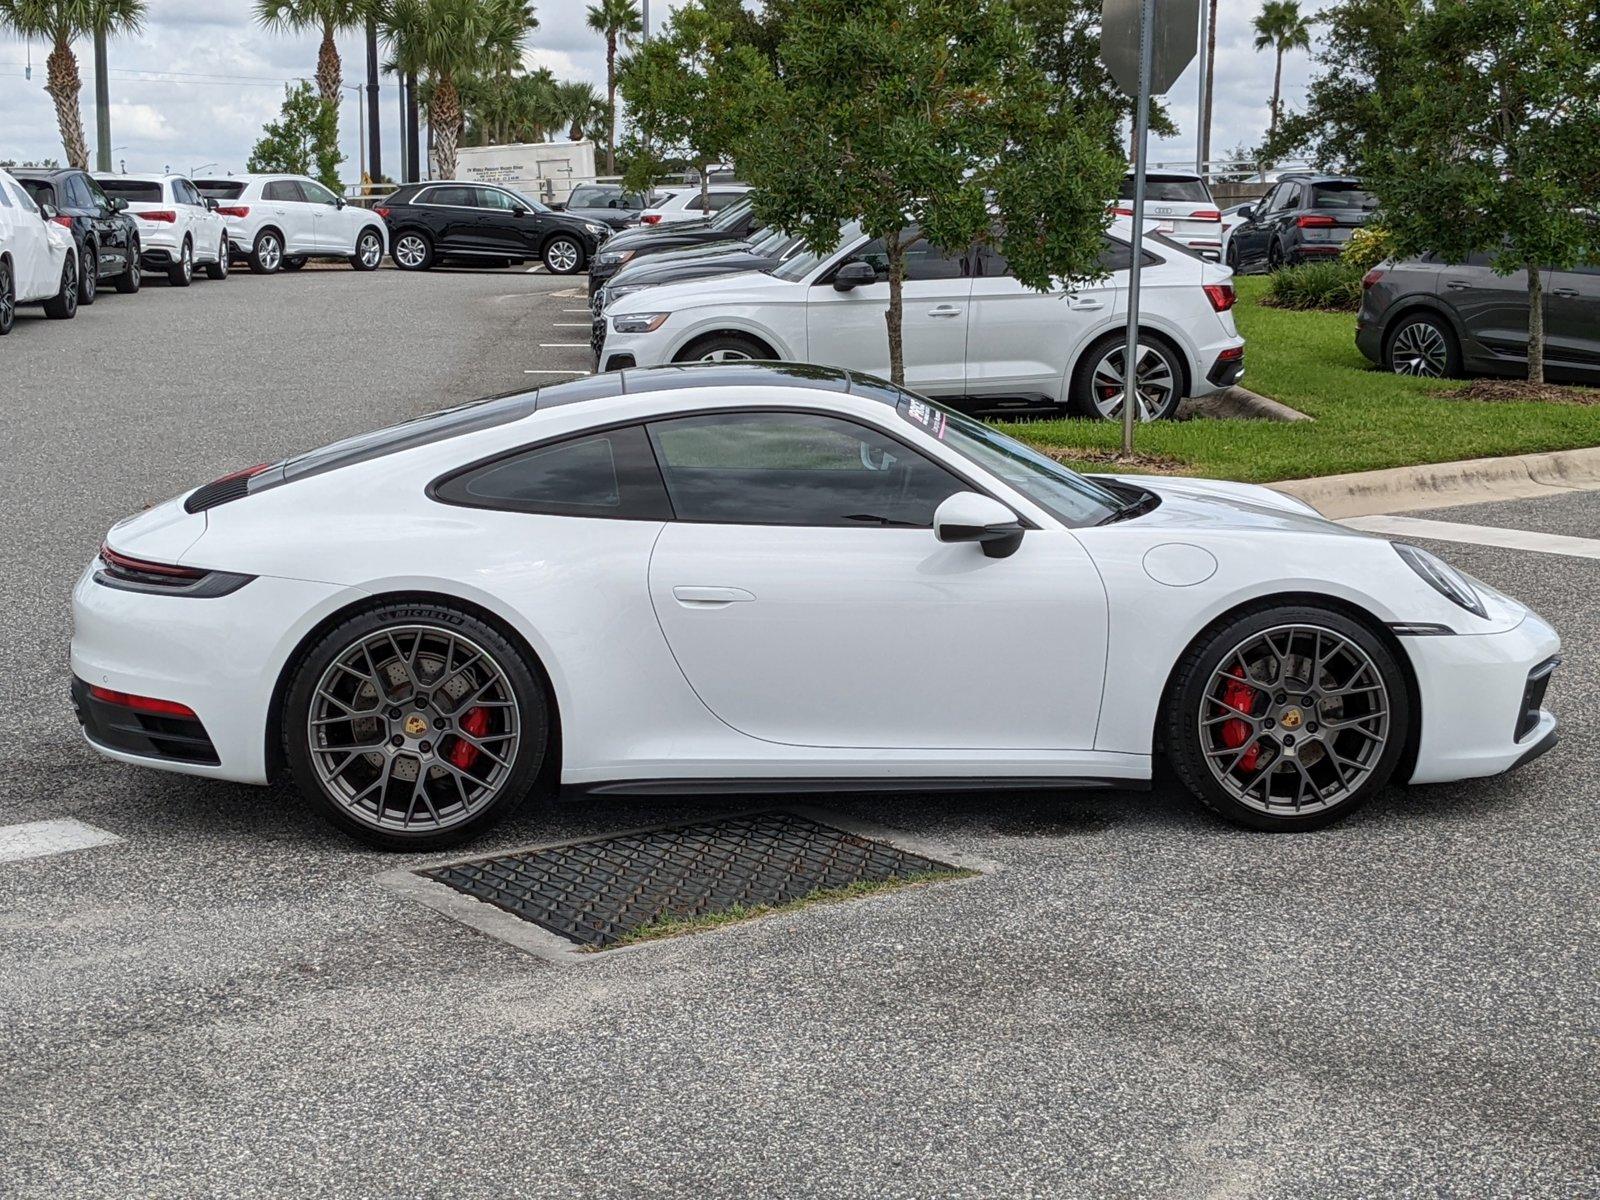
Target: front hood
{"x":655,"y":238}
{"x":747,"y":287}
{"x":1216,"y":504}
{"x":673,"y":268}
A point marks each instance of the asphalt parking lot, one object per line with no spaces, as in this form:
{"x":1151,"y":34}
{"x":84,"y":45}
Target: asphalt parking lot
{"x":1139,"y":1002}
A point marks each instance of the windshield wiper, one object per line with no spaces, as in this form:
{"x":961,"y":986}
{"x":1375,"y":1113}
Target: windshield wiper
{"x":875,"y":519}
{"x":1134,"y":508}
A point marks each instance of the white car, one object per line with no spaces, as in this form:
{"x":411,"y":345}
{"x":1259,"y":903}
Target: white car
{"x":38,"y":259}
{"x":179,"y":229}
{"x":973,"y":334}
{"x":688,"y":205}
{"x":1232,"y":218}
{"x":777,"y":577}
{"x":279,"y":221}
{"x":1179,"y":205}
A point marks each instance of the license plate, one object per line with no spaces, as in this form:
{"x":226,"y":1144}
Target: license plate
{"x":1165,"y":226}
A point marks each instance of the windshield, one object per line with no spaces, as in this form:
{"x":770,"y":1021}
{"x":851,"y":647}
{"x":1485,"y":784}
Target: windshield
{"x":732,"y":215}
{"x":1169,"y":191}
{"x":1348,"y":197}
{"x":220,"y":189}
{"x":804,"y":261}
{"x":529,"y":201}
{"x":1064,"y":494}
{"x":133,"y":190}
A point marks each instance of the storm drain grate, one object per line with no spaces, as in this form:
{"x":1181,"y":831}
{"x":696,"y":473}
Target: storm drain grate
{"x":597,"y":892}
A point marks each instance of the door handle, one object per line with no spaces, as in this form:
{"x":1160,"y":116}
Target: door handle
{"x":944,"y":310}
{"x":1566,"y":293}
{"x":710,"y":597}
{"x":1083,"y":303}
{"x":1457,"y":285}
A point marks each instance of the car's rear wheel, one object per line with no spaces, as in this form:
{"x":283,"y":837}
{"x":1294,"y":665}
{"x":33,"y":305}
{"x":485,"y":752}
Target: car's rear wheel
{"x":63,"y":306}
{"x":266,"y":255}
{"x":413,"y":251}
{"x":369,"y":251}
{"x":562,"y":255}
{"x":89,"y":277}
{"x":132,"y":276}
{"x":182,"y":272}
{"x":415,"y":726}
{"x":293,"y":262}
{"x":219,"y":269}
{"x":1097,"y":384}
{"x":1287,"y":717}
{"x":1423,"y":345}
{"x":1275,"y":255}
{"x":8,"y":298}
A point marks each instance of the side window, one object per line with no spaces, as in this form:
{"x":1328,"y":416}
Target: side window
{"x":695,"y":203}
{"x":924,"y":260}
{"x":494,"y":198}
{"x":1269,"y":202}
{"x":282,"y":189}
{"x":97,"y":198}
{"x":78,"y":192}
{"x":455,"y":197}
{"x":717,"y":201}
{"x":991,"y":263}
{"x":315,"y":193}
{"x":609,"y":474}
{"x":795,"y":468}
{"x":5,"y":196}
{"x":1289,"y":199}
{"x":21,"y":193}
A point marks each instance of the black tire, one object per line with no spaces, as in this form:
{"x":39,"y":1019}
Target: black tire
{"x":132,"y":277}
{"x":293,"y":262}
{"x":88,"y":277}
{"x":526,"y":687}
{"x":181,"y":274}
{"x":63,"y":306}
{"x":266,"y":254}
{"x":369,"y":250}
{"x":8,"y":297}
{"x":1180,"y":732}
{"x":1422,"y":344}
{"x":1230,"y":258}
{"x":412,"y":250}
{"x":563,"y":255}
{"x":219,"y":269}
{"x":725,"y":347}
{"x":1083,"y":399}
{"x":1275,"y":257}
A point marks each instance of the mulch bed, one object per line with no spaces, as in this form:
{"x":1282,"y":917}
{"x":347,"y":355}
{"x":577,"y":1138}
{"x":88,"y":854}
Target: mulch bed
{"x":1149,"y":464}
{"x":1503,"y":391}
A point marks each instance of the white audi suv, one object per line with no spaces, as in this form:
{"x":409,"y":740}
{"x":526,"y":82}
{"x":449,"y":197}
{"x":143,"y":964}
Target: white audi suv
{"x":179,"y":229}
{"x":277,"y":222}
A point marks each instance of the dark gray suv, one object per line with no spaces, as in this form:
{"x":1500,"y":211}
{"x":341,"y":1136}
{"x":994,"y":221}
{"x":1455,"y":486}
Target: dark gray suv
{"x":1424,"y":316}
{"x":1304,"y":218}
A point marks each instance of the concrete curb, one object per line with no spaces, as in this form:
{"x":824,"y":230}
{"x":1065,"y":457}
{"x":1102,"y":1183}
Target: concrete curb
{"x":1239,"y":403}
{"x":1444,"y":485}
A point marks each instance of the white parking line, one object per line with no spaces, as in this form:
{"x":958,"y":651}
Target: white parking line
{"x":575,"y":310}
{"x":39,"y":839}
{"x":528,"y":372}
{"x":570,"y":325}
{"x":1479,"y":535}
{"x":563,"y":345}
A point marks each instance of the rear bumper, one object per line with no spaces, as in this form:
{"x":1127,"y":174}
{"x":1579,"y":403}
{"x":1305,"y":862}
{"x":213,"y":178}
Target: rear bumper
{"x":1369,"y":340}
{"x":1226,"y":372}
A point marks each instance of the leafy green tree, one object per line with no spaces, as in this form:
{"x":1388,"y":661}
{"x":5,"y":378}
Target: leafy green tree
{"x":61,"y":22}
{"x":687,"y":91}
{"x":304,"y":140}
{"x":1280,"y":27}
{"x":929,"y":118}
{"x":619,"y":22}
{"x":1489,"y":142}
{"x":443,"y":41}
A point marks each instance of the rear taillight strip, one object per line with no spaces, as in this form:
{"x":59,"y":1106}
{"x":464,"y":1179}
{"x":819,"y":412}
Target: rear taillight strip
{"x":118,"y":570}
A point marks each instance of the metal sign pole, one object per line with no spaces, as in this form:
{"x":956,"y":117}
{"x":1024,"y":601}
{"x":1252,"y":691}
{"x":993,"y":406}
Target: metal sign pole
{"x":1130,"y":355}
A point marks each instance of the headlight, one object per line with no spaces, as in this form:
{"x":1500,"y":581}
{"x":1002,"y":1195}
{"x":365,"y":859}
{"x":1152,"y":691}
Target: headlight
{"x":616,"y":293}
{"x":1442,"y":578}
{"x":597,"y":229}
{"x":638,"y":322}
{"x":612,"y":258}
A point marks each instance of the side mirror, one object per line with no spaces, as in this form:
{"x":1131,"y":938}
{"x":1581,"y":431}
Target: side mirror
{"x":117,"y":204}
{"x":1248,"y":212}
{"x":518,"y":211}
{"x":338,"y":201}
{"x":211,"y":203}
{"x":47,"y":211}
{"x":853,"y":275}
{"x":971,"y":517}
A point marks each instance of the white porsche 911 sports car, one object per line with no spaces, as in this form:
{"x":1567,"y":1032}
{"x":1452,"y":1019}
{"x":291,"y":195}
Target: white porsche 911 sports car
{"x":773,"y":577}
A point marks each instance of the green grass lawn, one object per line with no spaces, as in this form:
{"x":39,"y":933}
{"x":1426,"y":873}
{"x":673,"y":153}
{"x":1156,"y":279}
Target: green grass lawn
{"x":1365,"y":418}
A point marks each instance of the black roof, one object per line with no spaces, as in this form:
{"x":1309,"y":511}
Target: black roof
{"x":43,"y":172}
{"x":639,"y":380}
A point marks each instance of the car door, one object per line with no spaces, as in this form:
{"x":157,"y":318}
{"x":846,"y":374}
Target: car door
{"x":1021,"y":341}
{"x":286,"y":203}
{"x":506,"y":224}
{"x":1572,"y":319}
{"x":452,"y":216}
{"x":807,"y":601}
{"x":332,"y":229}
{"x":1493,"y":309}
{"x":205,"y":225}
{"x":1252,"y":235}
{"x":111,"y":228}
{"x":846,"y":329}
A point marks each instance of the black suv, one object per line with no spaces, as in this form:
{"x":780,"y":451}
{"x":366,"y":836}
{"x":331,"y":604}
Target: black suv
{"x":106,"y":235}
{"x":605,"y":202}
{"x":1424,"y":316}
{"x":733,"y":224}
{"x":1303,"y":217}
{"x":475,"y":222}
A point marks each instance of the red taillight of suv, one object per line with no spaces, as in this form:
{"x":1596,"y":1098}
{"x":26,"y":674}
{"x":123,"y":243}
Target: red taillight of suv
{"x":1370,"y":278}
{"x":158,"y":214}
{"x":381,"y":211}
{"x":1206,"y":214}
{"x":650,"y":219}
{"x":1221,"y":295}
{"x":1120,"y":211}
{"x":234,"y":210}
{"x":64,"y":222}
{"x":1315,"y":221}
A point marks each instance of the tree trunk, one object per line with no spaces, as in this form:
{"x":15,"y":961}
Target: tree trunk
{"x":63,"y":84}
{"x":1211,"y":83}
{"x":892,"y":315}
{"x":1277,"y":91}
{"x":611,"y":103}
{"x":1535,"y":324}
{"x":444,"y":117}
{"x":330,"y":73}
{"x":705,"y":188}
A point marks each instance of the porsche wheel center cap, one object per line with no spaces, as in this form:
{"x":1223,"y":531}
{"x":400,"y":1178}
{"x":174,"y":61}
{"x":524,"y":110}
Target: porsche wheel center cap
{"x":1292,"y":718}
{"x":416,"y":725}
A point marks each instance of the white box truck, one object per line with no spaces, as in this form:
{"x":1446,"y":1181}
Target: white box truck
{"x":547,"y":171}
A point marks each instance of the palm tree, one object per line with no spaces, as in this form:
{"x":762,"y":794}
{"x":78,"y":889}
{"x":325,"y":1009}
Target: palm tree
{"x":619,"y":22}
{"x":331,"y":17}
{"x":60,"y":22}
{"x":1281,"y":26}
{"x":580,"y":107}
{"x":446,"y":40}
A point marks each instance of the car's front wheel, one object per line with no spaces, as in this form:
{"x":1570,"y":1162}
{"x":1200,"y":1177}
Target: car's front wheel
{"x":415,"y":726}
{"x":1286,"y":717}
{"x":1098,"y":387}
{"x":562,"y":255}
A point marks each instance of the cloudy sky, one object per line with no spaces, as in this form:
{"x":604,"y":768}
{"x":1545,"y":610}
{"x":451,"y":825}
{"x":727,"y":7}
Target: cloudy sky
{"x":196,"y":86}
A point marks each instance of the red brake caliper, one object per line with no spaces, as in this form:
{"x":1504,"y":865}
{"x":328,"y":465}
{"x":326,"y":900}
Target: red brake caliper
{"x":1235,"y":730}
{"x":476,"y":724}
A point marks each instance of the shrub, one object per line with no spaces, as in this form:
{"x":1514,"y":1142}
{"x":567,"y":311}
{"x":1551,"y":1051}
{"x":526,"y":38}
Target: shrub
{"x":1334,"y":286}
{"x":1367,"y":248}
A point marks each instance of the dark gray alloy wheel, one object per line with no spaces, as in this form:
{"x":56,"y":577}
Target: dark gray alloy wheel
{"x":89,"y":280}
{"x":63,"y":306}
{"x":8,"y":299}
{"x":132,"y":276}
{"x":1287,"y":718}
{"x":1421,"y":346}
{"x":415,"y":726}
{"x":182,"y":273}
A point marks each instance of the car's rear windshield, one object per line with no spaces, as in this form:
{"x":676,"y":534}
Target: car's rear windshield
{"x":1169,"y":191}
{"x":732,"y":215}
{"x":41,"y":192}
{"x":135,"y":191}
{"x":220,"y":189}
{"x":1347,"y":197}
